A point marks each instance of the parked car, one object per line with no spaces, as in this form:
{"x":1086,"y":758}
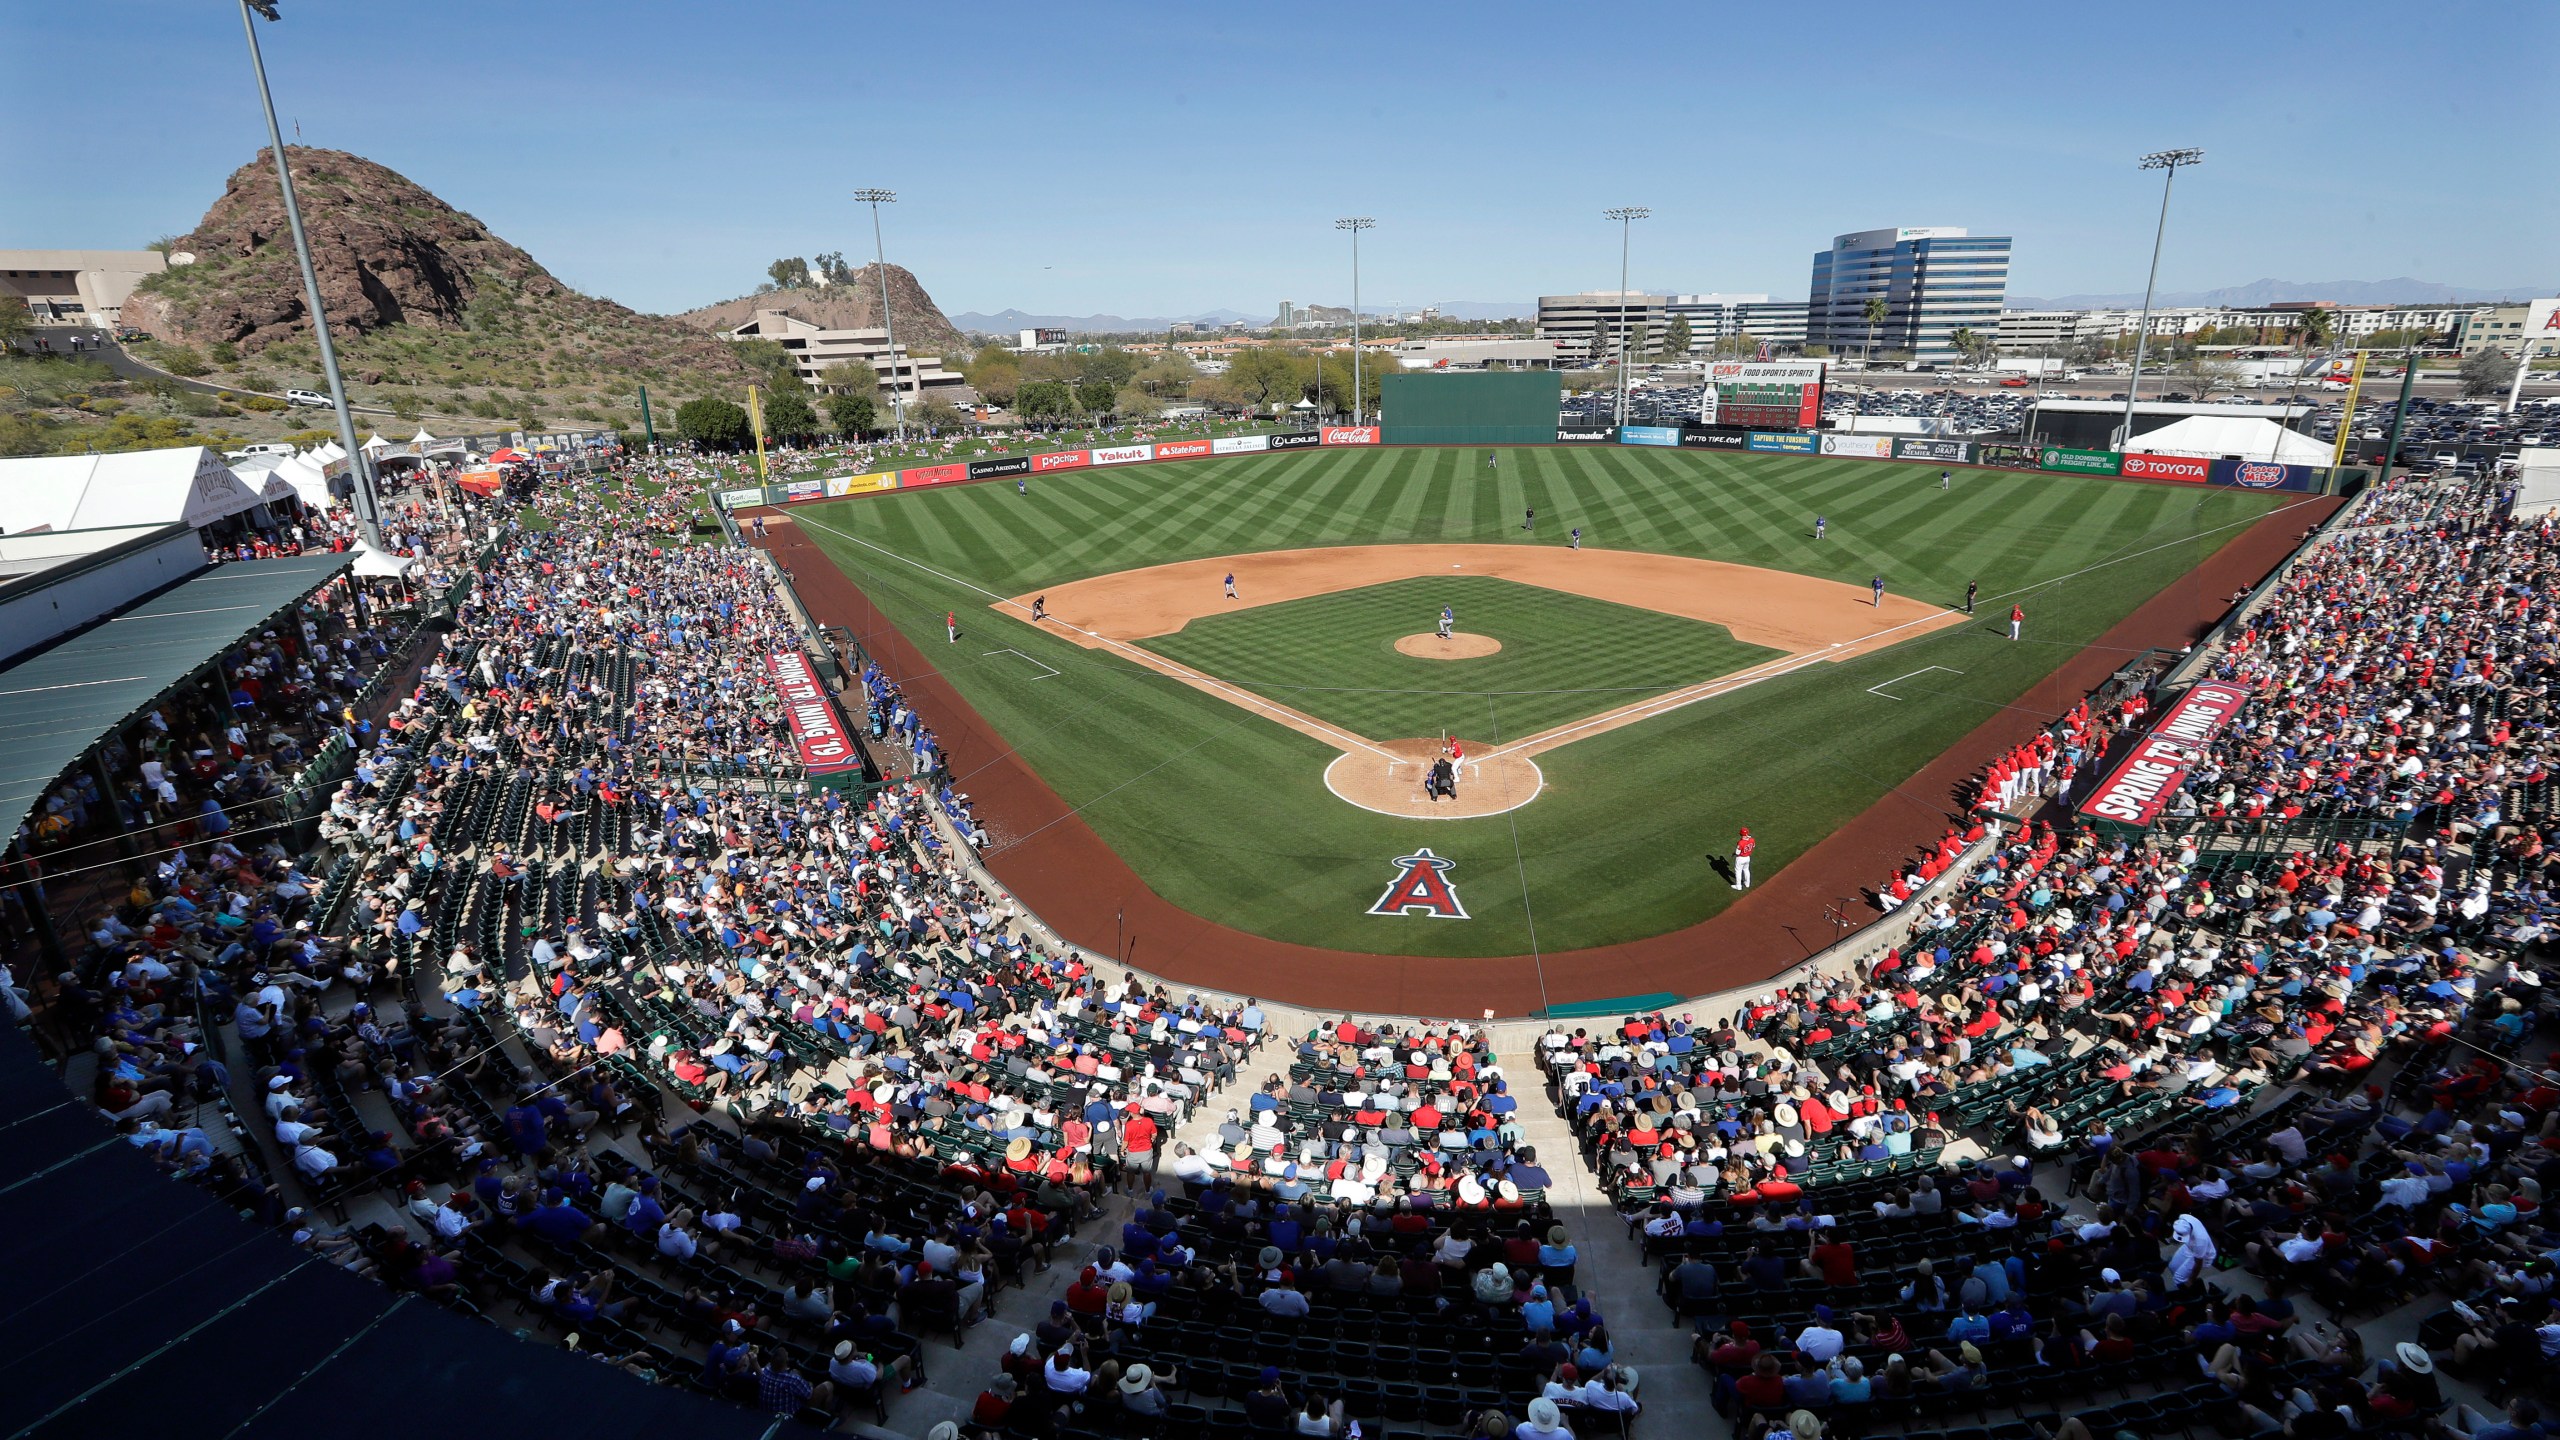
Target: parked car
{"x":307,"y":397}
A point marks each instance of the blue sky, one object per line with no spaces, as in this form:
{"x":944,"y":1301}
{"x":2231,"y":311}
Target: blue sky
{"x":1165,"y":159}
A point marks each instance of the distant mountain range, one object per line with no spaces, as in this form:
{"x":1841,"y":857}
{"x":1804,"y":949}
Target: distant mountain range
{"x":1005,"y":322}
{"x":2399,"y":290}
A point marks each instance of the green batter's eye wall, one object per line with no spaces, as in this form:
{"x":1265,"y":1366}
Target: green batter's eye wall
{"x":1491,"y":407}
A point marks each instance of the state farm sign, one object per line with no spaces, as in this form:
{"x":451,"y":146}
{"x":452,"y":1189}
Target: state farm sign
{"x":2167,"y":467}
{"x":1177,"y":449}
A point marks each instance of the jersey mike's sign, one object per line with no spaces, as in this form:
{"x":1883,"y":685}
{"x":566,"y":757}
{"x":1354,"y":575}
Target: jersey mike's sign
{"x":817,"y":734}
{"x":2138,"y":788}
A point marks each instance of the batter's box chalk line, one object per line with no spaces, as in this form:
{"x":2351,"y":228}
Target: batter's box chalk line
{"x":1878,"y":690}
{"x":1052,"y":672}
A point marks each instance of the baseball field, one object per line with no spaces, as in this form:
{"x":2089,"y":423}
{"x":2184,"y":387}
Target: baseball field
{"x":1702,"y":662}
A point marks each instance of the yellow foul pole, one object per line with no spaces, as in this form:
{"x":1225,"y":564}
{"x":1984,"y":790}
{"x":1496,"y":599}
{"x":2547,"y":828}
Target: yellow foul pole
{"x":2347,"y":417}
{"x":756,"y":421}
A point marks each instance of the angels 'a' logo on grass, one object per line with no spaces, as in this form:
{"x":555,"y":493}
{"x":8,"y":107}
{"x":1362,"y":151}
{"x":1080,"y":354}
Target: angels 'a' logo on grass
{"x":1422,"y":883}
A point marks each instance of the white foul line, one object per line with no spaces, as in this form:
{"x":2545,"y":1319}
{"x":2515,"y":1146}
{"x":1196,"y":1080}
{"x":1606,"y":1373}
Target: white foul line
{"x":1043,"y":664}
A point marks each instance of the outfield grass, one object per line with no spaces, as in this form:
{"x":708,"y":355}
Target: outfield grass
{"x":1562,"y":657}
{"x":1228,"y":815}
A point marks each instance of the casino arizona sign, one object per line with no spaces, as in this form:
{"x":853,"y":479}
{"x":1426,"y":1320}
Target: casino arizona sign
{"x":2138,"y":788}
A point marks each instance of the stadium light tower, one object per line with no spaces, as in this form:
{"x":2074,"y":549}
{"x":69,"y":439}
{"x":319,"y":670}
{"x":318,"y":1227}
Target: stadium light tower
{"x":880,"y":255}
{"x":1355,"y":224}
{"x":359,"y":464}
{"x":1626,"y":216}
{"x":2168,"y":161}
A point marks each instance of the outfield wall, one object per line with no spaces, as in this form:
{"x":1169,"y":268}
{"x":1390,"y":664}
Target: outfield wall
{"x":2152,"y":469}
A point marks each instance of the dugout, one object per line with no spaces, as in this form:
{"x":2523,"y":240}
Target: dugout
{"x":1491,"y":407}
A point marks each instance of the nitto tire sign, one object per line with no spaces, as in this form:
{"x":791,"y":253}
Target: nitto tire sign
{"x":1693,"y":437}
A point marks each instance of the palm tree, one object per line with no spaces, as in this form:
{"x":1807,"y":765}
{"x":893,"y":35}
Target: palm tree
{"x":1875,"y":310}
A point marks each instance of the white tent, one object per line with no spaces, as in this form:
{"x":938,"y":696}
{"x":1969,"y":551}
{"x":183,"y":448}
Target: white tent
{"x":190,"y":484}
{"x":2218,"y":437}
{"x":309,"y":485}
{"x":374,"y":444}
{"x":328,"y":451}
{"x":422,"y":439}
{"x":2537,"y":481}
{"x":382,"y":564}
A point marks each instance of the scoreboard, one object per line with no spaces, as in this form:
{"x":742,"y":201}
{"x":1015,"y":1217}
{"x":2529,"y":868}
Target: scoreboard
{"x":1763,"y":395}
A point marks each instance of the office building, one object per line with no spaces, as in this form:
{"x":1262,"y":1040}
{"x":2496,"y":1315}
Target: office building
{"x":1594,"y":324}
{"x":78,"y":287}
{"x":1934,"y":280}
{"x":2501,"y":328}
{"x":815,"y":350}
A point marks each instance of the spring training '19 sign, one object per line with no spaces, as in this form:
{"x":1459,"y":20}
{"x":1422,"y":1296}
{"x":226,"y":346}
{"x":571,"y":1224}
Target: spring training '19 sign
{"x":817,"y":736}
{"x":2136,"y":790}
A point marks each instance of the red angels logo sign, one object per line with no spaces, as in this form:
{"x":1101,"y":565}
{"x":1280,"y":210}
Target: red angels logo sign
{"x":1421,"y":883}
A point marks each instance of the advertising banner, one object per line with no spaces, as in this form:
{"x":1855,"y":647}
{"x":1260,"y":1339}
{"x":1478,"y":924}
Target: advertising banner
{"x":816,"y":732}
{"x":999,"y":468}
{"x":1699,"y":437}
{"x":1182,"y":449}
{"x":798,"y":490}
{"x":2078,"y":462}
{"x":751,"y":495}
{"x":1583,"y":434}
{"x":2138,"y":788}
{"x":839,"y":485}
{"x":1061,"y":460}
{"x":1648,"y":434}
{"x":1294,"y":440}
{"x":924,"y":475}
{"x":1750,"y":393}
{"x":1784,"y":443}
{"x":2263,"y":475}
{"x":2184,"y":468}
{"x":1239,"y":444}
{"x":1350,"y":434}
{"x":1122,"y":454}
{"x":1948,"y":452}
{"x":1871,"y":447}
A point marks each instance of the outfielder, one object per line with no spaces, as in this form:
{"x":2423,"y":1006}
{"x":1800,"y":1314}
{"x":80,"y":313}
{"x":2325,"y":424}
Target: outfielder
{"x":1743,"y":845}
{"x":1942,"y":479}
{"x":1820,"y":525}
{"x":2017,"y":617}
{"x":951,"y":623}
{"x":1577,"y":537}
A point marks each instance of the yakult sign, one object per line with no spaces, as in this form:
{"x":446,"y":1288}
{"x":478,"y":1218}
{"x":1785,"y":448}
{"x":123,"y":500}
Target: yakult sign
{"x":816,"y":734}
{"x":2139,"y":787}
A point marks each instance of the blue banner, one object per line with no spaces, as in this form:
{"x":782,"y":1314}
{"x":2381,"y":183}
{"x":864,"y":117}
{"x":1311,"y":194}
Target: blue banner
{"x":1786,"y":442}
{"x":1649,"y":435}
{"x":2265,"y":475}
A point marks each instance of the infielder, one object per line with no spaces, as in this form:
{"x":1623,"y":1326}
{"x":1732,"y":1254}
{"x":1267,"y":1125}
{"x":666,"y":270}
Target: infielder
{"x":1231,"y":584}
{"x":2017,"y":617}
{"x":1878,"y":585}
{"x":1039,"y":607}
{"x":1743,"y":845}
{"x":1577,"y":537}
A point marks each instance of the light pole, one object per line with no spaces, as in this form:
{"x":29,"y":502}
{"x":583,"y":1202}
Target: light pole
{"x":880,"y":255}
{"x":1355,"y":224}
{"x":1626,"y":216}
{"x":359,"y":464}
{"x":2169,"y":161}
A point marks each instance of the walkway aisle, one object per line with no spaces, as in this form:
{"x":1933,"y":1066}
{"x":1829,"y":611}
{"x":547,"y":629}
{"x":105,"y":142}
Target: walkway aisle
{"x":1611,"y":1268}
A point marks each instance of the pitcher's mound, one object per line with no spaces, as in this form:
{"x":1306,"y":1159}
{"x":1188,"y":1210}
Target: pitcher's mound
{"x":1460,"y":646}
{"x":1391,"y":784}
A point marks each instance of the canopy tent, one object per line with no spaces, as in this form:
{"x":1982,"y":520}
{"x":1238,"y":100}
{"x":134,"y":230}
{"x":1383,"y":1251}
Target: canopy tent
{"x":190,"y":484}
{"x":2537,"y":481}
{"x":374,"y":444}
{"x":328,"y":451}
{"x":422,"y":439}
{"x":2232,"y":437}
{"x":508,"y":455}
{"x":309,"y":485}
{"x":372,"y":564}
